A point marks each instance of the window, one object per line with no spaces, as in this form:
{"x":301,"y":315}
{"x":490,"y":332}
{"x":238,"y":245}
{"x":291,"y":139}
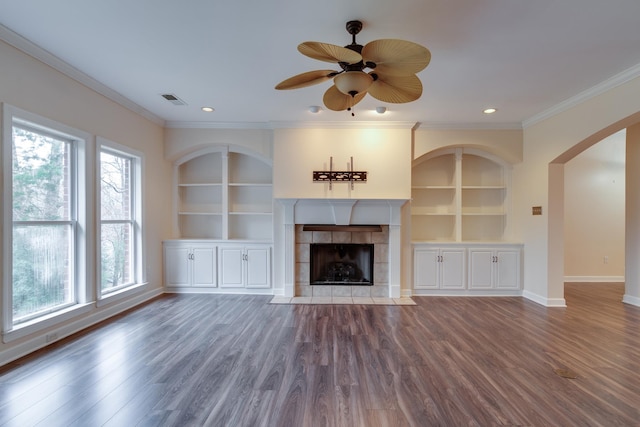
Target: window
{"x":56,"y":185}
{"x":120,"y":227}
{"x":42,"y":166}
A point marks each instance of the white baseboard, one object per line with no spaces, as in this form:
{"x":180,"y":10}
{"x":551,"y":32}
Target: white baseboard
{"x":547,"y":302}
{"x":594,"y":279}
{"x":630,"y":299}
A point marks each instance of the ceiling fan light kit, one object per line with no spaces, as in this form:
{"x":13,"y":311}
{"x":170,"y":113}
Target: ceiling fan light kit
{"x":353,"y":82}
{"x":393,"y":63}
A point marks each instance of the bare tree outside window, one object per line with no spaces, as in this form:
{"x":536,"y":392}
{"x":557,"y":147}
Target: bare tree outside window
{"x":116,"y":221}
{"x":42,"y":275}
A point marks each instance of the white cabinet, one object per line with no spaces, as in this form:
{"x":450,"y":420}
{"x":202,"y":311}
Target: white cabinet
{"x":245,"y":266}
{"x":466,"y":268}
{"x":223,"y":198}
{"x":439,"y":268}
{"x":190,"y":265}
{"x":494,"y":268}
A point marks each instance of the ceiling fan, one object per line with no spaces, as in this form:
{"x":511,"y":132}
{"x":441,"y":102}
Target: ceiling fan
{"x":393,"y":63}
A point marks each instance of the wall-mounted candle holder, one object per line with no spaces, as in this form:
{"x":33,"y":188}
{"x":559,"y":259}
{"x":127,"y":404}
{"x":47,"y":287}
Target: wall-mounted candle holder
{"x":340,"y":176}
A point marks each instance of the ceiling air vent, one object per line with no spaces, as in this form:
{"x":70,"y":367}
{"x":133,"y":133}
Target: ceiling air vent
{"x":173,"y":99}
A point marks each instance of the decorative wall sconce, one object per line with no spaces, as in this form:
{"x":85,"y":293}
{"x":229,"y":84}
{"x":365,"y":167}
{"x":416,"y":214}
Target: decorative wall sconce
{"x":330,"y":176}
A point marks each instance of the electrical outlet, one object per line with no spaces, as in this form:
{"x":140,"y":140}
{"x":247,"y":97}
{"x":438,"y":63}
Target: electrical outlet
{"x":536,"y":210}
{"x":51,"y":337}
{"x":606,"y":259}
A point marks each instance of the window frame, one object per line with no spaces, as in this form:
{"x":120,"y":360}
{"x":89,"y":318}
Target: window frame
{"x":138,"y":273}
{"x":82,"y":208}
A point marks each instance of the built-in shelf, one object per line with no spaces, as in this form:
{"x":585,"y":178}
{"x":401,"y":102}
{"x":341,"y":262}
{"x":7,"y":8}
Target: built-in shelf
{"x":224,"y":194}
{"x":433,"y":187}
{"x":459,"y":195}
{"x":200,"y":213}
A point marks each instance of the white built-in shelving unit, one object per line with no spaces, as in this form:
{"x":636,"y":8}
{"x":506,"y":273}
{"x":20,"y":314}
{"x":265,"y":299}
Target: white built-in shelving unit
{"x":223,"y":220}
{"x":224,"y":195}
{"x":460,"y":195}
{"x":460,"y":211}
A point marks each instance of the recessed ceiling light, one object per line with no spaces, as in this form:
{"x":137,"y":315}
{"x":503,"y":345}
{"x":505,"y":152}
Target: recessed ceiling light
{"x":207,"y":109}
{"x":381,"y":110}
{"x":489,"y":110}
{"x":314,"y":109}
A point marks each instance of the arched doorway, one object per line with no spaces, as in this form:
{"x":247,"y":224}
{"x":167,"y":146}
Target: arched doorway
{"x":556,"y":209}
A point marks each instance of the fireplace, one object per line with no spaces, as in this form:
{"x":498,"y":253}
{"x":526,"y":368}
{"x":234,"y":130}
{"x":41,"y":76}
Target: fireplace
{"x":374,"y":254}
{"x":342,"y":221}
{"x":341,"y":264}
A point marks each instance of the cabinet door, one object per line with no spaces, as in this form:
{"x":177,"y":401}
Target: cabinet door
{"x":176,"y":266}
{"x":231,"y":267}
{"x":481,"y":268}
{"x":452,"y":269}
{"x":508,"y":269}
{"x":425,"y":268}
{"x":258,"y":265}
{"x":204,"y":267}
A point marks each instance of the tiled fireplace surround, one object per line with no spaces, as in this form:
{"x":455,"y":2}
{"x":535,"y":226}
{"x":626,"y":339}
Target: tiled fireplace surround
{"x":342,"y":212}
{"x":380,"y":239}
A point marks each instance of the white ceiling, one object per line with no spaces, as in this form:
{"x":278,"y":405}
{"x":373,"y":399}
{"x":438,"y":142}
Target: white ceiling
{"x":522,"y":57}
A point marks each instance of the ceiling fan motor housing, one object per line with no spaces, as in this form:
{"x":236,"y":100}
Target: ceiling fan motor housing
{"x":353,"y":28}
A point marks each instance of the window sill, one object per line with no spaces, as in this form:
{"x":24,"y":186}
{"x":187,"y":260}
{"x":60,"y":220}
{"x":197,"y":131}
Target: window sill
{"x":45,"y":322}
{"x":59,"y":317}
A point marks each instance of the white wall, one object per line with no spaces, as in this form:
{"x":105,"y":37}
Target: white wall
{"x":632,"y":216}
{"x":594,"y":221}
{"x":179,"y":142}
{"x":504,"y":143}
{"x":385,"y":154}
{"x":31,"y":85}
{"x":539,"y":181}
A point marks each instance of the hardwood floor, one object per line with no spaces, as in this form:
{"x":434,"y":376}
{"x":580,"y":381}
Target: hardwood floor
{"x":225,"y":360}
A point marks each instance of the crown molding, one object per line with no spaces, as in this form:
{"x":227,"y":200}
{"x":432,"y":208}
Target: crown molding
{"x":612,"y":82}
{"x":44,"y":56}
{"x":176,"y":124}
{"x":470,"y":126}
{"x":292,"y":125}
{"x":347,"y":124}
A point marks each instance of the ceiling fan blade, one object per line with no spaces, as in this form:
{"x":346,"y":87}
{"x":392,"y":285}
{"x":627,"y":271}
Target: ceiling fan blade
{"x":309,"y":78}
{"x":329,"y":52}
{"x":396,"y":57}
{"x":396,"y":89}
{"x":337,"y":101}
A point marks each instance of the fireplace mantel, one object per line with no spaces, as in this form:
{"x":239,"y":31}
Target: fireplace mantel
{"x":342,"y":211}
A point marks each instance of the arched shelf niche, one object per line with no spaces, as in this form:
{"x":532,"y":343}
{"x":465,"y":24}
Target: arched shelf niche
{"x":223,"y":192}
{"x":460,"y":194}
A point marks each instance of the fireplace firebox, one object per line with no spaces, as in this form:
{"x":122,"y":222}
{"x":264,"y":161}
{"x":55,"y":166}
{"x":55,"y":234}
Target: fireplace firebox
{"x":341,"y":264}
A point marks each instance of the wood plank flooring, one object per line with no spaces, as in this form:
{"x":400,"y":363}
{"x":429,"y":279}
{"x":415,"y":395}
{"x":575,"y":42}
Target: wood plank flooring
{"x":228,"y":360}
